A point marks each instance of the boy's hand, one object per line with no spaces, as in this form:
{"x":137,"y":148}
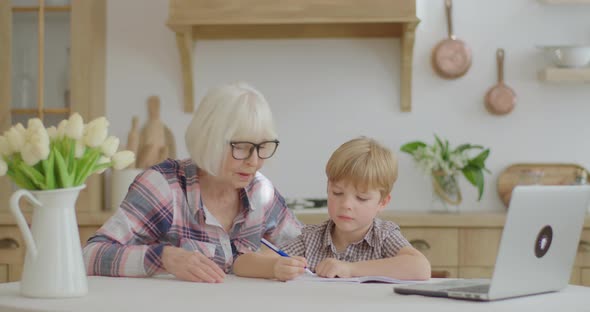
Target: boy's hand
{"x":331,"y":267}
{"x":288,"y":268}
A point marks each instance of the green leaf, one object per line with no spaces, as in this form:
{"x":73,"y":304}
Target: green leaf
{"x":464,"y":147}
{"x":63,"y":176}
{"x":439,"y":142}
{"x":475,"y":177}
{"x":87,"y":163}
{"x":479,"y":160}
{"x":35,"y":176}
{"x":71,"y":155}
{"x":48,"y":170}
{"x":20,"y":179}
{"x":411,"y":147}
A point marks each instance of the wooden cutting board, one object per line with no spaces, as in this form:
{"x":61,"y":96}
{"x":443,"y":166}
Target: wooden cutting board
{"x":532,"y":173}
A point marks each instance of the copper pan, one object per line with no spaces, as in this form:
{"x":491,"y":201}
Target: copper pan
{"x":451,"y":58}
{"x":500,"y":99}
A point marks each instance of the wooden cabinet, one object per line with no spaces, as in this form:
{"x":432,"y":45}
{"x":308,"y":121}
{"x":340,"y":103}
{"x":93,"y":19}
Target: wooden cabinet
{"x":457,"y":245}
{"x":52,"y":63}
{"x":464,"y":245}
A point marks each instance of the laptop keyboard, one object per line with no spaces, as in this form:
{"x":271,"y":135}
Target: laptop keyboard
{"x":479,"y":289}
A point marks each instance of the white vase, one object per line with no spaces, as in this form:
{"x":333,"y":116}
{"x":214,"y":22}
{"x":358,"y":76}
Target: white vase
{"x":54,"y":267}
{"x":446,"y":194}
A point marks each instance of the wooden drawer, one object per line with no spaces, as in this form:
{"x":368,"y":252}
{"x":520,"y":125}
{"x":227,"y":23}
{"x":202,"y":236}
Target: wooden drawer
{"x":86,"y":232}
{"x":12,"y":246}
{"x":479,"y":247}
{"x":583,"y":256}
{"x":14,"y":272}
{"x":449,"y":272}
{"x":585,"y":277}
{"x":476,"y":272}
{"x":3,"y":273}
{"x":576,"y":276}
{"x":439,"y":245}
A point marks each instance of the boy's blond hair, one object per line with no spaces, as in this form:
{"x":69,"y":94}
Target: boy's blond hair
{"x":365,"y":163}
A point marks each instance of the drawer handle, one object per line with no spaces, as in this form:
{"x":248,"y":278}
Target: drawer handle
{"x":440,"y":274}
{"x":420,"y":244}
{"x":584,"y":246}
{"x":8,"y":243}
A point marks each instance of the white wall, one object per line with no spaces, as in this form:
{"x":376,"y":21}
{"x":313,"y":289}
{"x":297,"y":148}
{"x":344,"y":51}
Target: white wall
{"x":324,"y":92}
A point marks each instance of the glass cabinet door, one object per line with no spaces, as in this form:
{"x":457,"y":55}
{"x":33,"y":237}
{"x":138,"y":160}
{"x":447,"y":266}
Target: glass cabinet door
{"x":52,"y":63}
{"x":40,"y":48}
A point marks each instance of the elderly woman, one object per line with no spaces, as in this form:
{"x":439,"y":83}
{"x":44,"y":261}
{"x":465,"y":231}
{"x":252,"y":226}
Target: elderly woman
{"x":193,"y":217}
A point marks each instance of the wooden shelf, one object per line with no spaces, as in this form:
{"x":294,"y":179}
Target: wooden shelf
{"x":554,"y":74}
{"x":48,"y":111}
{"x":566,"y":1}
{"x":64,"y":8}
{"x":225,"y":19}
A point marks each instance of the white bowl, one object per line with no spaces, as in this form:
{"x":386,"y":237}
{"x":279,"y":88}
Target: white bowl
{"x":569,"y":55}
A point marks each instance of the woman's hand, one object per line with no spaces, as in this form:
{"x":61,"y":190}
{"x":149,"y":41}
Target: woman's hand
{"x":331,"y":267}
{"x":191,"y":265}
{"x":288,"y":268}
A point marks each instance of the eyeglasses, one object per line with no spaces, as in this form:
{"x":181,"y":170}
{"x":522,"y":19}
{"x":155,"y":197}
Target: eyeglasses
{"x":241,"y":150}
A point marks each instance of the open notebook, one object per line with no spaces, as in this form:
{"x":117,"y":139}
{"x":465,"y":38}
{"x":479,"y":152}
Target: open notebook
{"x":361,"y":279}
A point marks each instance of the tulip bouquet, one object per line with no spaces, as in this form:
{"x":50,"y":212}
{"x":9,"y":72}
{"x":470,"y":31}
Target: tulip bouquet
{"x":39,"y":158}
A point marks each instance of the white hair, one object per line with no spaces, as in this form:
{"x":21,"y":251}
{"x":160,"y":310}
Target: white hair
{"x":233,"y":112}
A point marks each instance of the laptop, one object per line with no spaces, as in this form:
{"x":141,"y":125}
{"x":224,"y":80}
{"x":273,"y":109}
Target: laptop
{"x":537,"y":250}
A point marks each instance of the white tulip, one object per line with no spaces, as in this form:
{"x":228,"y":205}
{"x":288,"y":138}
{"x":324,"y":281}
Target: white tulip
{"x":36,"y":143}
{"x":102,"y":160}
{"x":5,"y":148}
{"x":123,"y":159}
{"x":75,"y":127}
{"x":3,"y":167}
{"x":35,"y":123}
{"x":109,"y":146}
{"x":16,"y":137}
{"x":79,"y":149}
{"x":52,"y":132}
{"x":95,"y":132}
{"x":61,"y":129}
{"x":28,"y":155}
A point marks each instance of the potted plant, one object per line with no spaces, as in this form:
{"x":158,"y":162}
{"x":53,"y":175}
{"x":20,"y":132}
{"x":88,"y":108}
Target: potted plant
{"x":444,"y":163}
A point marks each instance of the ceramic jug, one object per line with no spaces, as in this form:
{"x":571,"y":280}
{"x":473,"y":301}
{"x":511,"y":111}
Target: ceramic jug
{"x":54,"y":267}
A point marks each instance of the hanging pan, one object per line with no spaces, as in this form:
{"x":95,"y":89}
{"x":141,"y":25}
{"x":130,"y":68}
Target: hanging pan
{"x":451,"y":58}
{"x":500,"y":99}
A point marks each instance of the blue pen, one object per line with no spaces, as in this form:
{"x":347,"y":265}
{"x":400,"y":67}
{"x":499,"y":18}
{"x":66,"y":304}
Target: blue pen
{"x":280,"y":252}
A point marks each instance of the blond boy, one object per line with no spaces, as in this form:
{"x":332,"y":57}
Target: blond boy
{"x":353,"y":242}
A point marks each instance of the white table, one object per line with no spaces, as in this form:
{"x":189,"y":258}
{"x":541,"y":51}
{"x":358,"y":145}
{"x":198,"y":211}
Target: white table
{"x":241,"y":294}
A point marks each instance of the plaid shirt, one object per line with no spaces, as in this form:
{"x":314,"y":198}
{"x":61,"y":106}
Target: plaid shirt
{"x":383,"y":240}
{"x":163,"y":207}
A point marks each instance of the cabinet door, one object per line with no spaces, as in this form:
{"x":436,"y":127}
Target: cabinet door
{"x":439,"y":245}
{"x":5,"y":88}
{"x":479,"y":247}
{"x":15,"y":271}
{"x":86,"y":232}
{"x":3,"y":273}
{"x":51,"y":65}
{"x":585,"y":277}
{"x":476,"y":272}
{"x":583,"y":255}
{"x":576,"y":276}
{"x":445,"y":272}
{"x":12,"y":253}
